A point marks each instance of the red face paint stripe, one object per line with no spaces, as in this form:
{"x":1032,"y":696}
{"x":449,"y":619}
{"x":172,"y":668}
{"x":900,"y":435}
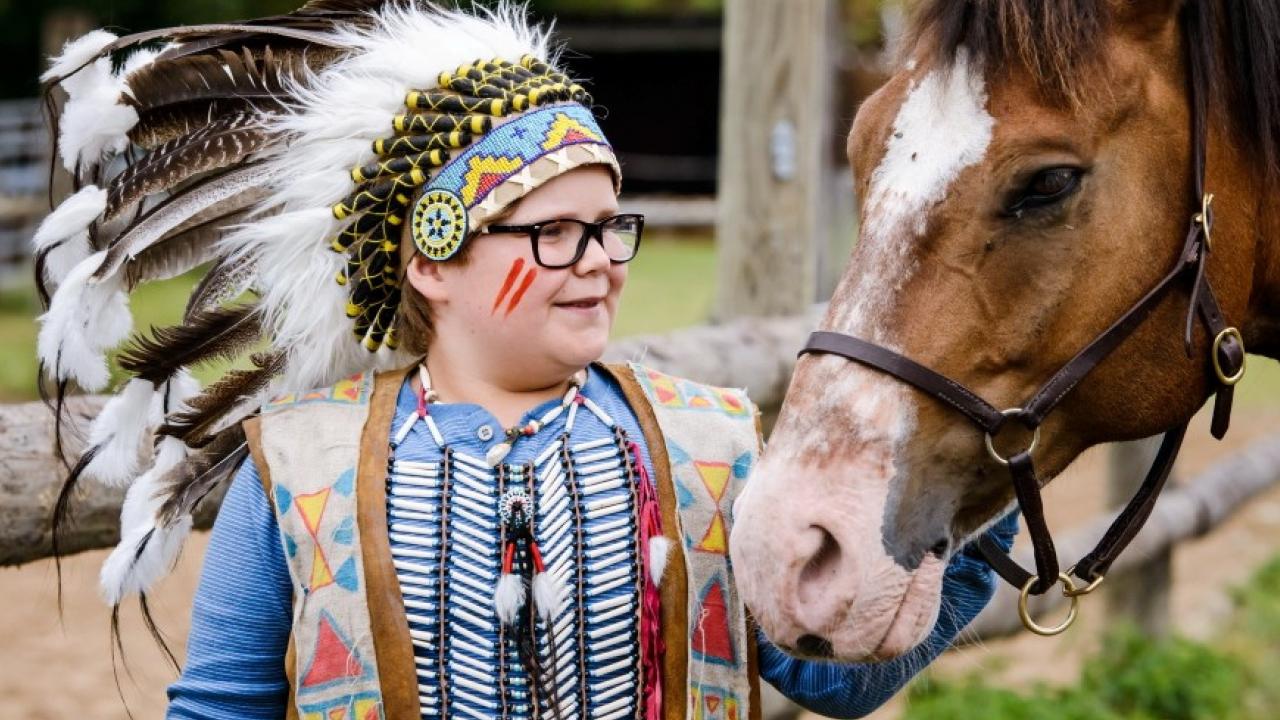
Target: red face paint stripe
{"x":524,"y":285}
{"x":516,"y":267}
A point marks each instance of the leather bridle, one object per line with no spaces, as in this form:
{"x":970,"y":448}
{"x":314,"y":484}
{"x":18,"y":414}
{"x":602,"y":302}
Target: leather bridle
{"x":1227,"y":361}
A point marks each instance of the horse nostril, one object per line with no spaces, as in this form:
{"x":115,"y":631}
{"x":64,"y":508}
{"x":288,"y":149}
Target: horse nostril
{"x":824,"y":561}
{"x":814,"y":646}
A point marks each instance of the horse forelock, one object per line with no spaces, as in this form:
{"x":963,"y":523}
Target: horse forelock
{"x":1061,"y":45}
{"x":1057,"y":42}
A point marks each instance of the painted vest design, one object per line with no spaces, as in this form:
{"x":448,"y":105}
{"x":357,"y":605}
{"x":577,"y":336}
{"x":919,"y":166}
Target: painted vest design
{"x":323,"y":456}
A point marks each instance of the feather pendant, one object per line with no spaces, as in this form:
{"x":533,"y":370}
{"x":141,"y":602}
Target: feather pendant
{"x":83,"y":318}
{"x":61,"y":241}
{"x":216,"y":75}
{"x":183,"y":487}
{"x":238,"y":391}
{"x":75,"y":57}
{"x":77,"y":53}
{"x":146,"y":550}
{"x":116,"y":435}
{"x":227,"y":280}
{"x":220,"y":333}
{"x":180,"y":96}
{"x":184,"y":249}
{"x":226,"y":141}
{"x":179,"y":208}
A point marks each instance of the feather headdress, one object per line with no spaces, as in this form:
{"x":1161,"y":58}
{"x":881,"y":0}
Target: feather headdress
{"x":283,"y":152}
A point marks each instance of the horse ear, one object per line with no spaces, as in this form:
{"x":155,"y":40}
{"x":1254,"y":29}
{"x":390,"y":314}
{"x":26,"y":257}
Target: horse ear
{"x":1145,"y":17}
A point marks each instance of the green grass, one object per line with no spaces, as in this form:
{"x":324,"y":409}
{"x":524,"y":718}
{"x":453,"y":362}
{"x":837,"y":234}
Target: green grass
{"x":670,"y":286}
{"x":1236,"y":677}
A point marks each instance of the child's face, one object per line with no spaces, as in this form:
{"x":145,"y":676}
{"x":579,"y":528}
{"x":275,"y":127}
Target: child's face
{"x":516,"y":313}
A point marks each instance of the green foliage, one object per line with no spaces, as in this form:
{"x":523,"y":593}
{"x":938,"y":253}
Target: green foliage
{"x":1174,"y":679}
{"x":975,"y":699}
{"x":1237,"y":677}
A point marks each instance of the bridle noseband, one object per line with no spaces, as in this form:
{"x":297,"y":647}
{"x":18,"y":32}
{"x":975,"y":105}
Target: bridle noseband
{"x":1227,"y":363}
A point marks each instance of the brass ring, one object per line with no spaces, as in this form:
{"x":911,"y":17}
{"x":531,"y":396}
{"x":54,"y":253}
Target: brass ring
{"x":1093,"y":585}
{"x":1217,"y":364}
{"x":1068,"y":587}
{"x":991,"y":448}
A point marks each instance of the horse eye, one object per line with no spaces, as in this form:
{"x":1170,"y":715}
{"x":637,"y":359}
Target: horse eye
{"x":1047,"y":187}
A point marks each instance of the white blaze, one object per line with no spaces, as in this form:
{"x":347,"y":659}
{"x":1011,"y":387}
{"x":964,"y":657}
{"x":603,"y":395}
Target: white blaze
{"x":942,"y":128}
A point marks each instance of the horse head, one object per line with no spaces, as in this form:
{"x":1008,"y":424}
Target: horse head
{"x":1022,"y":180}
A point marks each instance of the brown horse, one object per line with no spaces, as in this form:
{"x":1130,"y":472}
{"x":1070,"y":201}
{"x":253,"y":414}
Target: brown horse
{"x":1022,"y":179}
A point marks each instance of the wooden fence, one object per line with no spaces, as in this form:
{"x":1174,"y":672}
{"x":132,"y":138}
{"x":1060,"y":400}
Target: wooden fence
{"x":24,"y":177}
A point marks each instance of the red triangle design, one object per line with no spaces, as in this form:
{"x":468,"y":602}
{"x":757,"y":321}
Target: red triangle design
{"x":575,"y":136}
{"x":713,"y":702}
{"x":332,"y":660}
{"x":712,"y":638}
{"x":489,"y":181}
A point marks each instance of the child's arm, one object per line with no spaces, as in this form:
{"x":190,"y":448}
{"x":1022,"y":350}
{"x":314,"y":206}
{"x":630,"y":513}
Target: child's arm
{"x":852,"y":691}
{"x":241,"y":619}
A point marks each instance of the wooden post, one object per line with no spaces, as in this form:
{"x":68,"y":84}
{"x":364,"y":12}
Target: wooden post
{"x":775,"y":169}
{"x":1141,"y":595}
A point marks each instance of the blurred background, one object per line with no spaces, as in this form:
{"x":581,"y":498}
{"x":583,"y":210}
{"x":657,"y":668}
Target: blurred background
{"x":1193,"y":632}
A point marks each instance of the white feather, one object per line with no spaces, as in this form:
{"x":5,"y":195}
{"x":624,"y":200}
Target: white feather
{"x":548,"y":596}
{"x":71,"y":216}
{"x":83,"y":319}
{"x":134,"y":566}
{"x":122,"y":429}
{"x":339,"y":111}
{"x":118,"y":434}
{"x":76,"y":53}
{"x":659,"y":547}
{"x":508,"y":596}
{"x":138,"y":60}
{"x":65,"y":230}
{"x":94,"y":122}
{"x":65,"y":256}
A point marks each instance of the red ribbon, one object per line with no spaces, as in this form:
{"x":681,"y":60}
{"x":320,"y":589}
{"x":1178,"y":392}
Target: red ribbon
{"x":652,"y":646}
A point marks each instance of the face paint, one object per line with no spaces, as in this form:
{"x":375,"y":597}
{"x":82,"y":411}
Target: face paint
{"x":512,"y":274}
{"x":524,"y":285}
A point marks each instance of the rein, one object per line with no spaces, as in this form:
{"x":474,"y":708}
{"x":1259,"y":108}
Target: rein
{"x":1227,"y":362}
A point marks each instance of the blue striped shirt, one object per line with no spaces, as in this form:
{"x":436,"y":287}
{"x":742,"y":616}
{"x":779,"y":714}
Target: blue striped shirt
{"x":241,"y":617}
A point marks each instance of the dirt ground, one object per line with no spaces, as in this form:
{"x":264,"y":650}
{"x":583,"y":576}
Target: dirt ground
{"x":63,"y":668}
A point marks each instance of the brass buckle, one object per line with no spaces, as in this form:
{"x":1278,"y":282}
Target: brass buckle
{"x":1202,"y":218}
{"x":1217,"y":364}
{"x":1069,"y":591}
{"x":991,"y":448}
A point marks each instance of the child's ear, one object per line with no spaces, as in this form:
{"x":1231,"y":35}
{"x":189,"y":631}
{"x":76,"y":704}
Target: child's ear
{"x":427,"y":278}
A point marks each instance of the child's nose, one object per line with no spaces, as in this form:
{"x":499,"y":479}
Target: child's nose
{"x":594,"y":258}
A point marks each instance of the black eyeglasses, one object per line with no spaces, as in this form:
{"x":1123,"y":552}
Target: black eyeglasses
{"x":561,"y":243}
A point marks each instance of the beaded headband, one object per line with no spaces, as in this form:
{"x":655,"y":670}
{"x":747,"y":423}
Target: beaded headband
{"x":513,"y":126}
{"x":509,"y":163}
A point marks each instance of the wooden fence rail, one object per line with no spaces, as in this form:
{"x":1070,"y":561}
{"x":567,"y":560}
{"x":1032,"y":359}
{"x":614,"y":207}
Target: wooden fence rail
{"x":758,"y":354}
